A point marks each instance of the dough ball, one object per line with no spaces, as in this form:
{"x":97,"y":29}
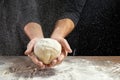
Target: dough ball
{"x":47,"y":49}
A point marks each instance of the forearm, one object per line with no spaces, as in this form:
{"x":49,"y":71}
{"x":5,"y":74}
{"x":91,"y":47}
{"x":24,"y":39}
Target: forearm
{"x":33,"y":30}
{"x":62,"y":28}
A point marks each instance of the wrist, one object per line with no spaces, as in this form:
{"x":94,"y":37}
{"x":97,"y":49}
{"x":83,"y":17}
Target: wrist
{"x":33,"y":30}
{"x":36,"y":39}
{"x":57,"y":36}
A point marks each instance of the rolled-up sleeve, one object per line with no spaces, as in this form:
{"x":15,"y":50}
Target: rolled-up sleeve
{"x":73,"y":8}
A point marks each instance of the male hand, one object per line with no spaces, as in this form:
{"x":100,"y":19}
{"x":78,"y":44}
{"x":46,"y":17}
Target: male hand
{"x":29,"y":52}
{"x":65,"y":50}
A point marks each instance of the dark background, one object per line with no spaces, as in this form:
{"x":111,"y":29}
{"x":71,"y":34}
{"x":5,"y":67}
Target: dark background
{"x":98,"y":31}
{"x":49,"y":11}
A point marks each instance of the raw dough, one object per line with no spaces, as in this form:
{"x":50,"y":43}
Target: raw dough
{"x":47,"y":49}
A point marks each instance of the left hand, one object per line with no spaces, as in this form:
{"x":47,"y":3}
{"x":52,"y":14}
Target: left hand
{"x":65,"y":50}
{"x":29,"y":52}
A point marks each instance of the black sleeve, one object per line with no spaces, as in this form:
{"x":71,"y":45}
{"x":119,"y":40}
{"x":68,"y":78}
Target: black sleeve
{"x":29,"y":12}
{"x":73,"y":9}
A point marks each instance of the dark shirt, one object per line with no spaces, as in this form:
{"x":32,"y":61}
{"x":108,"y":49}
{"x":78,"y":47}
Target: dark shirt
{"x":97,"y":29}
{"x":14,"y":15}
{"x":97,"y":24}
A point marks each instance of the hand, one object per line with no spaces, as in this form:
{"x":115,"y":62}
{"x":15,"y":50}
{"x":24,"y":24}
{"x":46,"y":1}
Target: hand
{"x":30,"y":54}
{"x":65,"y":50}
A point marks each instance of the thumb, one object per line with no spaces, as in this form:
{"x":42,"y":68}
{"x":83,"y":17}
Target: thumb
{"x":65,"y":45}
{"x":29,"y":48}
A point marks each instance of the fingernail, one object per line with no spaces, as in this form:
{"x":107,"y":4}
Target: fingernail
{"x":70,"y":51}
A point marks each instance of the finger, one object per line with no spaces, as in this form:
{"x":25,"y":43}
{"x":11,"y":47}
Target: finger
{"x":42,"y":67}
{"x":65,"y":45}
{"x":57,"y":61}
{"x":36,"y":61}
{"x":60,"y":58}
{"x":53,"y":63}
{"x":29,"y":48}
{"x":64,"y":52}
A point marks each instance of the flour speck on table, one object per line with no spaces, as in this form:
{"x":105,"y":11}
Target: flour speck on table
{"x":70,"y":69}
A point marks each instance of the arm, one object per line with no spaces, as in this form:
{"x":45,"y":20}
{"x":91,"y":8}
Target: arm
{"x":34,"y":32}
{"x":30,"y":19}
{"x":68,"y":21}
{"x":65,"y":25}
{"x":73,"y":9}
{"x":62,"y":28}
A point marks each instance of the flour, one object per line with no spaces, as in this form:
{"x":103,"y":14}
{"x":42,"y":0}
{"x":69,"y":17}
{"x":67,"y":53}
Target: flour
{"x":69,"y":70}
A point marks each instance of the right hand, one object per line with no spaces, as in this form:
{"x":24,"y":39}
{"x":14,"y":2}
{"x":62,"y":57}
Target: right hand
{"x":64,"y":52}
{"x":29,"y":52}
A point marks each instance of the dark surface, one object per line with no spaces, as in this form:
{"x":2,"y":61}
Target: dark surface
{"x":97,"y":32}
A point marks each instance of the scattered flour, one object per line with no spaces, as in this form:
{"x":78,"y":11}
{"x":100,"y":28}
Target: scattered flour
{"x":68,"y":70}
